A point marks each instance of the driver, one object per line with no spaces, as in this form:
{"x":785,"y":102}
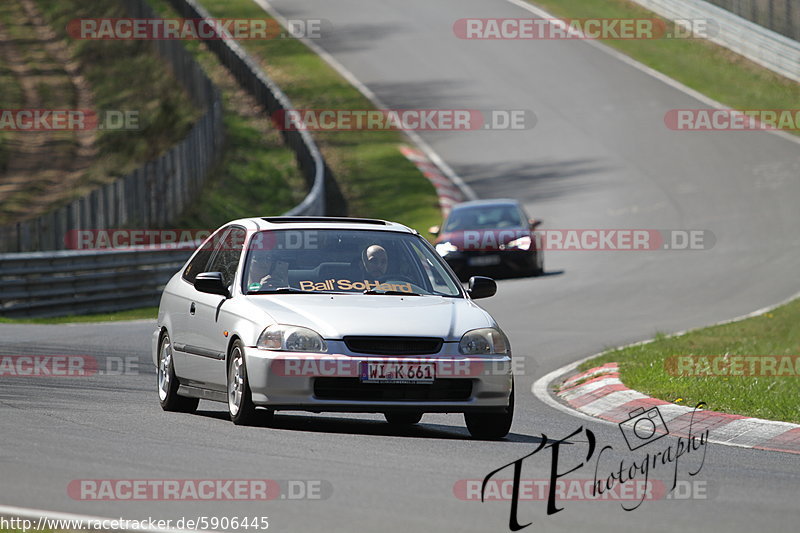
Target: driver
{"x":265,"y":273}
{"x":375,"y":261}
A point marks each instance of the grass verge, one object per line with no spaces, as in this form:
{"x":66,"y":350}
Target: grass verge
{"x":776,"y":333}
{"x":375,"y":178}
{"x":121,"y":75}
{"x":257,"y":175}
{"x":125,"y":75}
{"x":132,"y":314}
{"x":704,"y":66}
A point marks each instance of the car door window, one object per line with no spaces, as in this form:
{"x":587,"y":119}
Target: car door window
{"x":228,"y":254}
{"x":200,"y":260}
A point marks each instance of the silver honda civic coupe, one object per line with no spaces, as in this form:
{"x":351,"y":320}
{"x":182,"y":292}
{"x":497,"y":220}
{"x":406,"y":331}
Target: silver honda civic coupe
{"x":327,"y":314}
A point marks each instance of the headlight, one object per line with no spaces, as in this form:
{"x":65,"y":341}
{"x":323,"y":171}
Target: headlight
{"x":523,"y":243}
{"x":484,"y":341}
{"x":444,"y":248}
{"x":291,"y":339}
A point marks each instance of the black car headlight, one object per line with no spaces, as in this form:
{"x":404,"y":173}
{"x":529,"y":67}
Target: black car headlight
{"x":444,"y":248}
{"x":523,"y":243}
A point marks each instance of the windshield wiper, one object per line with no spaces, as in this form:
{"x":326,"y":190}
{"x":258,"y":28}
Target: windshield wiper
{"x":391,"y":293}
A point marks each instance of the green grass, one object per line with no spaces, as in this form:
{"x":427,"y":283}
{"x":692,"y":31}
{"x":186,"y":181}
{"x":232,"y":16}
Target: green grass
{"x":126,"y":75}
{"x":699,"y":64}
{"x":122,"y":75}
{"x":257,"y":175}
{"x":132,"y":314}
{"x":738,"y":83}
{"x":375,"y":178}
{"x":775,"y":333}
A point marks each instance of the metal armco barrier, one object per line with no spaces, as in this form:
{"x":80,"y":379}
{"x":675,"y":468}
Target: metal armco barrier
{"x":46,"y":284}
{"x":58,"y":283}
{"x":757,"y":43}
{"x":269,"y":95}
{"x":155,"y":193}
{"x":782,"y":16}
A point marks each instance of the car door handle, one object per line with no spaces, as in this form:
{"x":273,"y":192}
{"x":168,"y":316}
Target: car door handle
{"x":192,"y":309}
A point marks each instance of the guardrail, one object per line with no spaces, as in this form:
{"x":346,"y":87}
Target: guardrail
{"x":782,"y":16}
{"x":253,"y":80}
{"x":46,"y":284}
{"x":57,"y":283}
{"x":759,"y":44}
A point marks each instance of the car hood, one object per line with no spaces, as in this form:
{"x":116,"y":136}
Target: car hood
{"x":336,"y":315}
{"x":483,"y":239}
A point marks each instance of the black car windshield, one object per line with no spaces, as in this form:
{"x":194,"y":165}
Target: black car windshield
{"x":345,"y":261}
{"x":485,"y":217}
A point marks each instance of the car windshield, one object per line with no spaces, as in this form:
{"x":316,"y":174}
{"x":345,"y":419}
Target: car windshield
{"x":345,"y":261}
{"x":484,"y":217}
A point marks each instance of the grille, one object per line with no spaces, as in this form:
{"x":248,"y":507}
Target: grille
{"x":394,"y":345}
{"x":353,"y":389}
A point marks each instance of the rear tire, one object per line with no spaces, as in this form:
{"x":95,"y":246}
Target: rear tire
{"x":403,"y":419}
{"x":168,"y":384}
{"x":240,"y":399}
{"x":491,"y":426}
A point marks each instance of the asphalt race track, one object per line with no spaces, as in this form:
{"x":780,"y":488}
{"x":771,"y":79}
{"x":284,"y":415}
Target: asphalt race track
{"x":599,"y":157}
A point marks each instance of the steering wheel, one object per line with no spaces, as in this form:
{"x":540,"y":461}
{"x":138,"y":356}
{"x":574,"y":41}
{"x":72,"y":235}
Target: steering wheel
{"x":399,"y":277}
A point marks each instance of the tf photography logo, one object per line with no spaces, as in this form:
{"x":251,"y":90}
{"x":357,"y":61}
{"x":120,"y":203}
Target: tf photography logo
{"x":611,"y":475}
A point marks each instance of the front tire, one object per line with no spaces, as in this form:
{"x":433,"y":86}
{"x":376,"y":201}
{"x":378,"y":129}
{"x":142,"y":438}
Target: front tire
{"x":491,"y":426}
{"x":240,"y":400}
{"x":168,"y":384}
{"x":403,"y":419}
{"x":538,"y":263}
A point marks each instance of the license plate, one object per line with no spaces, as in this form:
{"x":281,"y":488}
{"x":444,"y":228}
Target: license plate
{"x":397,"y":372}
{"x":484,"y":260}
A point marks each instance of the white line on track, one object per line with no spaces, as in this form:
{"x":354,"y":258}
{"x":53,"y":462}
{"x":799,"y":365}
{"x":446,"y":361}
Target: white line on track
{"x":540,"y":387}
{"x":466,"y":190}
{"x":644,"y":68}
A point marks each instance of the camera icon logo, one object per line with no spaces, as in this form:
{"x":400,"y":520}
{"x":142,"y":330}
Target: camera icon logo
{"x":643,"y":427}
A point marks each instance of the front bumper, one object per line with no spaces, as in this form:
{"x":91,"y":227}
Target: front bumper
{"x":517,"y":261}
{"x":330,"y":382}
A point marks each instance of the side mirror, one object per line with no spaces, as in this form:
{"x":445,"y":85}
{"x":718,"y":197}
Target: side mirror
{"x":481,"y":287}
{"x":211,"y":283}
{"x":534,"y":222}
{"x":434,"y":230}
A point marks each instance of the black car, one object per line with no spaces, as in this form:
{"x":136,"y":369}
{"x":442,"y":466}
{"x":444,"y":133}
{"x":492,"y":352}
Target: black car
{"x":490,"y":236}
